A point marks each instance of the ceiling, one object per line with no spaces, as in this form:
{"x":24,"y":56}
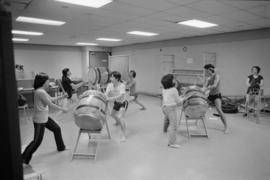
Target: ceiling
{"x":84,"y":24}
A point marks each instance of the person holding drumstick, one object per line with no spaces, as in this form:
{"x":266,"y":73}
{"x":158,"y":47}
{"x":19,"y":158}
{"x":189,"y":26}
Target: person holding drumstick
{"x":131,"y":85}
{"x":213,"y":85}
{"x":42,"y":102}
{"x":67,"y":84}
{"x":116,"y":93}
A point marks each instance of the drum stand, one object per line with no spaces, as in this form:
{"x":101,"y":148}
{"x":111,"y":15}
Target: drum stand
{"x":93,"y":137}
{"x":187,"y":118}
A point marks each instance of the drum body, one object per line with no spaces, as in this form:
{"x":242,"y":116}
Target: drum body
{"x":98,"y":75}
{"x":90,"y":113}
{"x":195,"y":106}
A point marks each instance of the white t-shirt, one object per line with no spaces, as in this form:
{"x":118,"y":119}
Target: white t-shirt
{"x":171,"y":97}
{"x":112,"y":91}
{"x":41,"y":109}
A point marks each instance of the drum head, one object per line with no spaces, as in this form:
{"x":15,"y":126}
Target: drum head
{"x":93,"y":76}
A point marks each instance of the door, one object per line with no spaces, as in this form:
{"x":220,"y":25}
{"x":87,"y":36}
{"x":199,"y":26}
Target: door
{"x":98,"y":59}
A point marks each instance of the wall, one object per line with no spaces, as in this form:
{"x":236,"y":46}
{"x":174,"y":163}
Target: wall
{"x":236,"y":53}
{"x":49,"y":59}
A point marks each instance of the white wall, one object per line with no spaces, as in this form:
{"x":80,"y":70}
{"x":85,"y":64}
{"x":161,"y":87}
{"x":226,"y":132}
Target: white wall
{"x":49,"y":59}
{"x":236,"y":53}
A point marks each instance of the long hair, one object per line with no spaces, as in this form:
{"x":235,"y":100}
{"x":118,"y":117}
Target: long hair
{"x":40,"y":79}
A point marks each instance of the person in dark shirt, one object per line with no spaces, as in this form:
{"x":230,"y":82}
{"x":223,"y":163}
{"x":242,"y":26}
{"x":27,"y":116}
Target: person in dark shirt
{"x":255,"y":84}
{"x":67,"y":84}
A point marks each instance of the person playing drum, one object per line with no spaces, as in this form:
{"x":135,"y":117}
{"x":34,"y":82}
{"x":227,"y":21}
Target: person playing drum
{"x":131,"y":85}
{"x":42,"y":102}
{"x":212,"y":85}
{"x":170,"y":102}
{"x":67,"y":84}
{"x":255,"y":84}
{"x":116,"y":92}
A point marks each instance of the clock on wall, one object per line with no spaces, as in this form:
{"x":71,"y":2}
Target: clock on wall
{"x":184,"y":49}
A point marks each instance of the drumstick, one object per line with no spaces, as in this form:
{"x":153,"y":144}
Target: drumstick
{"x":65,"y":102}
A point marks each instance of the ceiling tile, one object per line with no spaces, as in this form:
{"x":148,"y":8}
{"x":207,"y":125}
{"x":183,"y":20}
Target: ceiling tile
{"x":263,"y":11}
{"x":188,"y":13}
{"x":244,"y":4}
{"x":156,"y":5}
{"x":212,"y":7}
{"x":240,"y":15}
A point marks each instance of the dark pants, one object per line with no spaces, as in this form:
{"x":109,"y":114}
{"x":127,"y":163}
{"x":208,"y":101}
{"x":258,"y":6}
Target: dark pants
{"x":38,"y":136}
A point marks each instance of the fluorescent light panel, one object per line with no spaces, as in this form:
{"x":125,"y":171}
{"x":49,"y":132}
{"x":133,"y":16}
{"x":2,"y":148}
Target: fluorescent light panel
{"x":142,"y":33}
{"x":30,"y":33}
{"x":197,"y":23}
{"x":40,"y":21}
{"x":86,"y":44}
{"x":88,"y":3}
{"x":20,"y":39}
{"x":108,"y":39}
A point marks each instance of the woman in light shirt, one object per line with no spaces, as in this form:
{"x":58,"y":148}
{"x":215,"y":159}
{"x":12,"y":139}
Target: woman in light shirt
{"x":116,"y":92}
{"x":41,"y":119}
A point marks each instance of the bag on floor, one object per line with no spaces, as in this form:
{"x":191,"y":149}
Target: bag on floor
{"x":21,"y":100}
{"x":228,"y":105}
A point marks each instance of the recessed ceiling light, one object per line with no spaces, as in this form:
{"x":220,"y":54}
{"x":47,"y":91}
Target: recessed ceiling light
{"x":30,"y":33}
{"x":89,"y":3}
{"x":40,"y":21}
{"x":86,"y":44}
{"x":20,"y":39}
{"x":197,"y":23}
{"x":108,"y":39}
{"x":141,"y":33}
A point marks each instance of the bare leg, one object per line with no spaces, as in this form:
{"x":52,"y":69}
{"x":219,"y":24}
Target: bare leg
{"x":119,"y":117}
{"x":137,"y":102}
{"x":246,"y":105}
{"x":257,"y":104}
{"x":222,"y":116}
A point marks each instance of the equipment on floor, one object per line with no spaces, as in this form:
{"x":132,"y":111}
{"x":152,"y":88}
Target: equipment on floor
{"x":195,"y":108}
{"x":98,"y":75}
{"x":229,"y":106}
{"x":90,"y":116}
{"x":196,"y":104}
{"x":90,"y":112}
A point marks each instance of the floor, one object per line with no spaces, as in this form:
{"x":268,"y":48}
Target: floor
{"x":243,"y":154}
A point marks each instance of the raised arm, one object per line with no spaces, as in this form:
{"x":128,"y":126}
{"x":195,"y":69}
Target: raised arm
{"x":47,"y":100}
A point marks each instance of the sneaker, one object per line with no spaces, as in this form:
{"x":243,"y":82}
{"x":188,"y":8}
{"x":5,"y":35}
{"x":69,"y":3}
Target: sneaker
{"x":123,"y":139}
{"x":116,"y":124}
{"x":174,"y":145}
{"x":143,"y":108}
{"x":65,"y":149}
{"x":245,"y":115}
{"x":217,"y":115}
{"x":226,"y":131}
